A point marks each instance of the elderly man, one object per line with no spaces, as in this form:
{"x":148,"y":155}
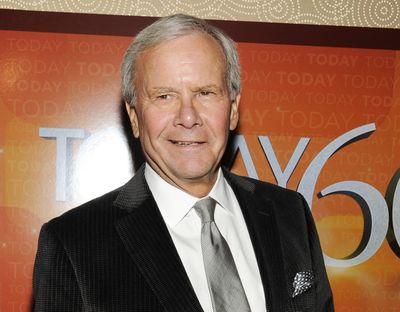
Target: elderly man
{"x":183,"y":234}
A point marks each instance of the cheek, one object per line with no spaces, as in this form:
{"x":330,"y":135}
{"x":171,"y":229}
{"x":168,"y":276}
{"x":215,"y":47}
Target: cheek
{"x":222,"y":117}
{"x":153,"y":123}
{"x":219,"y":124}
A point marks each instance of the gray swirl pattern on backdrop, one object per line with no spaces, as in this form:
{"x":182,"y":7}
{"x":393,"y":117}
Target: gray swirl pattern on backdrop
{"x":366,"y":13}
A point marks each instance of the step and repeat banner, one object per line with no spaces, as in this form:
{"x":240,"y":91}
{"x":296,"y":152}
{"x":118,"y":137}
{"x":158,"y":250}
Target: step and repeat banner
{"x":322,"y":120}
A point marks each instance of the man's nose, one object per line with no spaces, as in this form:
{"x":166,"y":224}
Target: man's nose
{"x":188,"y":114}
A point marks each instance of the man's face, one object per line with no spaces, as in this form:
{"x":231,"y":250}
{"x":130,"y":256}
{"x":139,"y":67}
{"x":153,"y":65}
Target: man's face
{"x":183,"y":112}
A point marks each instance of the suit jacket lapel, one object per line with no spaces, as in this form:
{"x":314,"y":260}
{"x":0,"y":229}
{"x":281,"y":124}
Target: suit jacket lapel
{"x":258,"y":212}
{"x":150,"y":245}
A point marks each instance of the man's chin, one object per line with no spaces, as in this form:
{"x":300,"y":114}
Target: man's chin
{"x":194,"y":176}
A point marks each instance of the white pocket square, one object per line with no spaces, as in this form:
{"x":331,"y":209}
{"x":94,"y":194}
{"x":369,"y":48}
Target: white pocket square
{"x":302,"y":282}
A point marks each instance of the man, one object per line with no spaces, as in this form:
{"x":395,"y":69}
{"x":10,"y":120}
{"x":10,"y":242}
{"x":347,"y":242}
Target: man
{"x":156,"y":243}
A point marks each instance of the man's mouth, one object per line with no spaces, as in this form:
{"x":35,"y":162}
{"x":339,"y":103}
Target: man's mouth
{"x":186,"y":143}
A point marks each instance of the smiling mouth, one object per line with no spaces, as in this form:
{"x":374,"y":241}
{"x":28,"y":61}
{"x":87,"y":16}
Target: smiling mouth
{"x":186,"y":143}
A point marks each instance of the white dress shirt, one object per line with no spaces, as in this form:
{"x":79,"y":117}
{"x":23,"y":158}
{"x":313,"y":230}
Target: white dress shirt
{"x":184,"y":226}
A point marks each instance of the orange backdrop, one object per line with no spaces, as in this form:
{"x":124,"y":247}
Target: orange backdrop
{"x":70,"y":83}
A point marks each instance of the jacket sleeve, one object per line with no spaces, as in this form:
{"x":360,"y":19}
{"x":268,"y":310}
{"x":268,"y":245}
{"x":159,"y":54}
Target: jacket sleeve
{"x":324,"y":297}
{"x":55,"y":287}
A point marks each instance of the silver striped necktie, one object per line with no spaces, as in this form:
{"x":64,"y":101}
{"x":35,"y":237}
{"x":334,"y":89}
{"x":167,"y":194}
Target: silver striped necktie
{"x":226,"y":289}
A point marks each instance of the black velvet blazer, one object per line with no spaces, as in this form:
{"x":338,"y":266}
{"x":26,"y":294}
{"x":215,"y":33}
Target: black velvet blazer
{"x":114,"y":253}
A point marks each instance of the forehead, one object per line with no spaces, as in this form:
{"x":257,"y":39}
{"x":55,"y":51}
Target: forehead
{"x":193,"y":44}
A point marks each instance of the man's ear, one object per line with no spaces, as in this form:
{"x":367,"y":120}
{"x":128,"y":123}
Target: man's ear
{"x":133,"y":118}
{"x":234,"y":116}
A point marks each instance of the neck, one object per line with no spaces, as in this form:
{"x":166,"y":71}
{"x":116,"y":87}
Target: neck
{"x":197,"y":187}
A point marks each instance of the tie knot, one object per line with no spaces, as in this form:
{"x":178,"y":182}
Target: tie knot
{"x":205,"y":209}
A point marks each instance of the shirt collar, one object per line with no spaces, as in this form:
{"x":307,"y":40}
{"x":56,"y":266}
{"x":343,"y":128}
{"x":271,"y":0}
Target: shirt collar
{"x":175,"y":204}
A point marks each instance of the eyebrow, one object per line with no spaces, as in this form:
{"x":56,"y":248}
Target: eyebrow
{"x":212,"y":86}
{"x":162,"y":89}
{"x":196,"y":89}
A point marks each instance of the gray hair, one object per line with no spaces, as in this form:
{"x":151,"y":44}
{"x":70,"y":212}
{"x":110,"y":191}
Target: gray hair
{"x":171,"y":27}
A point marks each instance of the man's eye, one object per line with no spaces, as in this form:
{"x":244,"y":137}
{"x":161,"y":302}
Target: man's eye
{"x":206,"y":93}
{"x":164,"y":96}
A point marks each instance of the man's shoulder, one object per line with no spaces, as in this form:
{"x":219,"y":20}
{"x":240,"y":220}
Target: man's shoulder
{"x":91,"y":224}
{"x":99,"y":208}
{"x":287,"y":205}
{"x":260,"y":187}
{"x":106,"y":208}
